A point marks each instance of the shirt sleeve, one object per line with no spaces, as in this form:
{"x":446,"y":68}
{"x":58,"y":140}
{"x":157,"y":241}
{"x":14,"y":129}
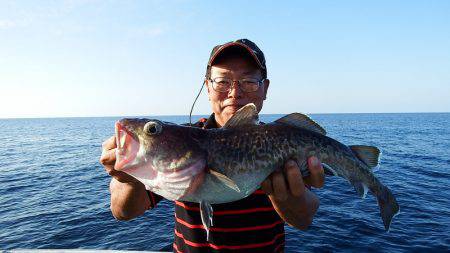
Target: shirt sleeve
{"x":154,"y":199}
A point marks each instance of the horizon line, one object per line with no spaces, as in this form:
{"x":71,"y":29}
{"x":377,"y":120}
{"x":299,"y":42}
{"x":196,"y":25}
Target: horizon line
{"x":199,"y":115}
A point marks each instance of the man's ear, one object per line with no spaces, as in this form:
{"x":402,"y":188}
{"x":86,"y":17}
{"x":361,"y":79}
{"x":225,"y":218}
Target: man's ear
{"x":266,"y":87}
{"x":206,"y":83}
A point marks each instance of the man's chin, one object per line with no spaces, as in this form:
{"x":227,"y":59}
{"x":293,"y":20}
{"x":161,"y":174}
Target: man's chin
{"x":228,"y":112}
{"x":232,"y":108}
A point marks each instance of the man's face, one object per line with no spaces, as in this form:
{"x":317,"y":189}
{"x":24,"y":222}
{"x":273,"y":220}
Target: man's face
{"x":225,"y":104}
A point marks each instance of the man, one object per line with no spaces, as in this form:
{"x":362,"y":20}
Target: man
{"x":236,"y":75}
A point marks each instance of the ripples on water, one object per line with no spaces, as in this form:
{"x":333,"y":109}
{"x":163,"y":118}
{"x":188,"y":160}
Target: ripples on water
{"x":54,"y":193}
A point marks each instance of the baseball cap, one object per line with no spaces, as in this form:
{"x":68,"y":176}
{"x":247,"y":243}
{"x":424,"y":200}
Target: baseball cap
{"x":246,"y":44}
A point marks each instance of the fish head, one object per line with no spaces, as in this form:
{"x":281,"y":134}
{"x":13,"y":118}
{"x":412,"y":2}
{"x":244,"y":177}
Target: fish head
{"x":164,"y":156}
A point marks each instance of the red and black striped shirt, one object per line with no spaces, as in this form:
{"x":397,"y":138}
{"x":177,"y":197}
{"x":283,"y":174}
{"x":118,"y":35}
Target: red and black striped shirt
{"x":247,"y":225}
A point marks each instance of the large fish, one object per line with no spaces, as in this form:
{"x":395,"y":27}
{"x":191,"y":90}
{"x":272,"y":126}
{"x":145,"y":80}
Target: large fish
{"x":229,"y":163}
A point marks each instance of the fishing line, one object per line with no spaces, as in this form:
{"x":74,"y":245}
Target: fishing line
{"x":193,"y":104}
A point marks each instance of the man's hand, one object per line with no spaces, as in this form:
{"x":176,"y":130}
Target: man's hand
{"x":108,"y":160}
{"x":128,"y":196}
{"x":295,"y":204}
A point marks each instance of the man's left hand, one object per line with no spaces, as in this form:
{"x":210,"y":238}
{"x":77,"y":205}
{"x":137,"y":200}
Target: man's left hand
{"x":295,"y":204}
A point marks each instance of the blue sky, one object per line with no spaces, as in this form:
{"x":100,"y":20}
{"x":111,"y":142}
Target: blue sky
{"x":115,"y":58}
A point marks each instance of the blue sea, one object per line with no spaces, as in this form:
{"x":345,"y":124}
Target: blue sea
{"x":54,"y":193}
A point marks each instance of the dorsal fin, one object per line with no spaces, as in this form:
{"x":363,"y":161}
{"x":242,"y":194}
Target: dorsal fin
{"x":370,"y":155}
{"x":302,"y":121}
{"x":247,"y":115}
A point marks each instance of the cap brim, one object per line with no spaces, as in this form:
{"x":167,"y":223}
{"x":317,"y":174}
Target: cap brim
{"x":235,"y":44}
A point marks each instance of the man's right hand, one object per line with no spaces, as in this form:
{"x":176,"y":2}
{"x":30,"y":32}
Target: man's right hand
{"x":129,"y":198}
{"x":108,"y":160}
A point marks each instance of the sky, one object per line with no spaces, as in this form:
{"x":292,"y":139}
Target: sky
{"x":139,"y":58}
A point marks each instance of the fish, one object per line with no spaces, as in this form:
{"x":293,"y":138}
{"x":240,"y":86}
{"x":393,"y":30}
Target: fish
{"x":212,"y":166}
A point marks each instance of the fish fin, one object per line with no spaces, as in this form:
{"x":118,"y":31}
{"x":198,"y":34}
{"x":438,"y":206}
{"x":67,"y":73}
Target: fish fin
{"x":224,"y":179}
{"x":206,"y":214}
{"x":328,"y":170}
{"x":361,"y":189}
{"x":388,"y":206}
{"x":303,"y":168}
{"x":247,"y":115}
{"x":370,"y":155}
{"x":301,"y":121}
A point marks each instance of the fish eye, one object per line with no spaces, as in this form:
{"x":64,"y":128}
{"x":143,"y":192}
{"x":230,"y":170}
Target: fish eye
{"x":152,"y":128}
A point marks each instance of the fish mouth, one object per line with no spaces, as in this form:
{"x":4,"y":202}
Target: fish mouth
{"x":127,"y":147}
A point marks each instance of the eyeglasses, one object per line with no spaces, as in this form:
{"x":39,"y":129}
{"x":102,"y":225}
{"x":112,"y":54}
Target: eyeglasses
{"x":223,"y":84}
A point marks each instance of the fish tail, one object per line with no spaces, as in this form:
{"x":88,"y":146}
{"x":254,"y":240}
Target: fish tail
{"x":388,"y":206}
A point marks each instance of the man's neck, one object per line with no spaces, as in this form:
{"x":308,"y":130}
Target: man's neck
{"x":219,"y":122}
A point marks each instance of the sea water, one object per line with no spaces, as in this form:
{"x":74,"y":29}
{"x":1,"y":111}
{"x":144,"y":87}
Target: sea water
{"x":54,"y":193}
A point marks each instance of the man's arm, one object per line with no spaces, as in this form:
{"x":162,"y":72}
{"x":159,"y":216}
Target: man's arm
{"x":129,"y":198}
{"x":295,"y":204}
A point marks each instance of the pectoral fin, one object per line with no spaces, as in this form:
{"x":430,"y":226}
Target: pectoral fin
{"x":224,"y":179}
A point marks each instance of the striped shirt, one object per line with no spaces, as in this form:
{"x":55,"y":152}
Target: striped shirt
{"x":247,"y":225}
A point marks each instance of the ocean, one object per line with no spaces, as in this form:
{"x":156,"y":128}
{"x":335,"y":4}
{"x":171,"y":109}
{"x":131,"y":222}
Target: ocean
{"x":54,"y":193}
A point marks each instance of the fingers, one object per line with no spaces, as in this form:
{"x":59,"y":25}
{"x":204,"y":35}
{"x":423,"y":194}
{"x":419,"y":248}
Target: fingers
{"x":275,"y":186}
{"x":317,"y":175}
{"x":281,"y":183}
{"x":279,"y":186}
{"x":108,"y":160}
{"x":108,"y":157}
{"x":266,"y":186}
{"x":294,"y":178}
{"x":110,"y":143}
{"x":290,"y":180}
